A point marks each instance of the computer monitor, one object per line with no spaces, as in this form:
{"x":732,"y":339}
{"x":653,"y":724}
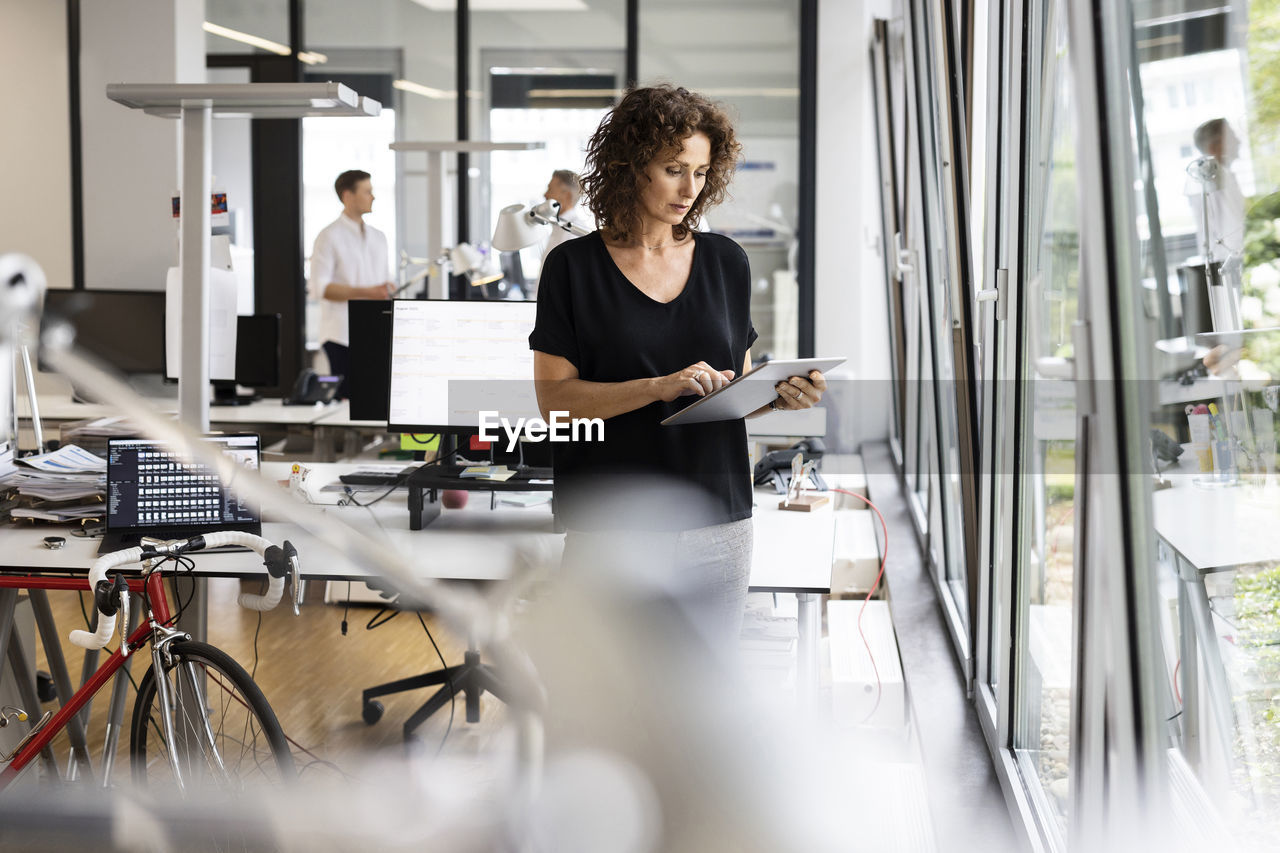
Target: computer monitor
{"x":257,"y":359}
{"x":258,"y":350}
{"x":450,"y":360}
{"x":124,"y":328}
{"x":369,"y":372}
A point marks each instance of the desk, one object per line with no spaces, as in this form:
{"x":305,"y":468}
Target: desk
{"x":793,"y":550}
{"x":60,"y":407}
{"x":1207,"y":531}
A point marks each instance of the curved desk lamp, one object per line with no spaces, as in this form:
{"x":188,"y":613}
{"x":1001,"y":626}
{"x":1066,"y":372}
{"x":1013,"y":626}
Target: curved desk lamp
{"x":520,"y":225}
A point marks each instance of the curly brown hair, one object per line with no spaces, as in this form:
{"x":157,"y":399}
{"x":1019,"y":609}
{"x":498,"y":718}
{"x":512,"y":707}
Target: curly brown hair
{"x":646,"y":124}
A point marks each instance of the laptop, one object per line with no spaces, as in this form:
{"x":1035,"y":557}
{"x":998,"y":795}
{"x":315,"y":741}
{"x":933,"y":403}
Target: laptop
{"x":153,"y":491}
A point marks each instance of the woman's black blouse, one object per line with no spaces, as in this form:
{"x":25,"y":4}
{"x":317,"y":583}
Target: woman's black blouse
{"x":673,"y":477}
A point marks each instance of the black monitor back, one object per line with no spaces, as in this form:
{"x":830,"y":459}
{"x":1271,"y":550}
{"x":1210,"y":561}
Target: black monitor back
{"x":124,"y":328}
{"x":258,"y":350}
{"x":369,"y":381}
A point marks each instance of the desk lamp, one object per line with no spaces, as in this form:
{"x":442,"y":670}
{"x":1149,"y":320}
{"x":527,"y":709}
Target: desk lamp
{"x":520,"y":225}
{"x":462,"y":259}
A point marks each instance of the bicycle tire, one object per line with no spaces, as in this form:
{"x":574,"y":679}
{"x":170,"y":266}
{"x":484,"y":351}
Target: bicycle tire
{"x":252,"y":747}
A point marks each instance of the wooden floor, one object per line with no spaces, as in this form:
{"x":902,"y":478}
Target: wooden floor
{"x":312,"y":675}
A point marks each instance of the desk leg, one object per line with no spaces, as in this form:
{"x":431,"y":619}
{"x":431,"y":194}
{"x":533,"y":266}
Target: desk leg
{"x":808,"y":626}
{"x":322,"y":447}
{"x":1215,"y":673}
{"x":1188,"y":670}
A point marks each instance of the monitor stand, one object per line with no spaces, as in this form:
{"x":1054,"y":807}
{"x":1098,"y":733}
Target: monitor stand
{"x":426,"y":483}
{"x":224,"y":394}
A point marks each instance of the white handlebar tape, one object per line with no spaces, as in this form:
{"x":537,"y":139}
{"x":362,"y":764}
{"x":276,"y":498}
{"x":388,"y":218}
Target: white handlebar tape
{"x":107,"y":624}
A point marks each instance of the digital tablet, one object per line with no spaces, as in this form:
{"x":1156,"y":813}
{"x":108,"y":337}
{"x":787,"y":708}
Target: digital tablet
{"x":749,"y":391}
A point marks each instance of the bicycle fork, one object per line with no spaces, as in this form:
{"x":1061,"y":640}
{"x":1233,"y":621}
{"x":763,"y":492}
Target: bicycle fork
{"x":186,"y":680}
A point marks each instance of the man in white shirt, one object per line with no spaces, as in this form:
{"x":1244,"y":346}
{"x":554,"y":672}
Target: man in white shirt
{"x":564,"y":188}
{"x":1213,"y":189}
{"x":349,"y":261}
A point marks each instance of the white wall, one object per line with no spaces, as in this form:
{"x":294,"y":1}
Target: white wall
{"x":35,"y":216}
{"x":130,"y":158}
{"x":851,"y":317}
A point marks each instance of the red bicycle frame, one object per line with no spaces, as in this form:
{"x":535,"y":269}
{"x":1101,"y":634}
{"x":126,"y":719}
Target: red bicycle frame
{"x":158,"y":602}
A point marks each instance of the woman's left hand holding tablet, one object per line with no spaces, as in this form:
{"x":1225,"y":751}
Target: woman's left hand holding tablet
{"x":801,"y":392}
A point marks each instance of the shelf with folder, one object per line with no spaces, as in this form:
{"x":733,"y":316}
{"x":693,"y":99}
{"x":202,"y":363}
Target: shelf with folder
{"x":427,"y":482}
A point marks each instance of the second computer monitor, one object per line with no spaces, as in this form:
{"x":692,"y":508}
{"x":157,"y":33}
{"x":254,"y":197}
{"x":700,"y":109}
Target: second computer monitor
{"x":451,"y":360}
{"x":369,"y":369}
{"x":258,"y":350}
{"x":124,"y":328}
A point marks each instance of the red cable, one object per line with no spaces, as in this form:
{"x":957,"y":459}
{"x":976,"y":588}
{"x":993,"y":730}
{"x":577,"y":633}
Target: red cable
{"x":883,"y":558}
{"x":1176,"y":691}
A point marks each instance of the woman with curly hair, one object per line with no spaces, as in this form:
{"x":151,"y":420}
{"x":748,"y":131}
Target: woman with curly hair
{"x":638,"y":314}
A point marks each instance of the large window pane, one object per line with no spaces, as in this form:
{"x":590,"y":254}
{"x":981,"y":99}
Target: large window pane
{"x":947,"y":536}
{"x":1205,"y":152}
{"x":745,"y":54}
{"x":1044,"y":652}
{"x":543,"y":76}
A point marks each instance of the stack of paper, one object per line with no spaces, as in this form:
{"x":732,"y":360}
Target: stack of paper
{"x":93,"y":434}
{"x":66,"y":474}
{"x":491,"y":473}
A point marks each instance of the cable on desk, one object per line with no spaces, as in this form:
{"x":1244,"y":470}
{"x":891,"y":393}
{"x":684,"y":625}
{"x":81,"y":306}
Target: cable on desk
{"x":883,"y":559}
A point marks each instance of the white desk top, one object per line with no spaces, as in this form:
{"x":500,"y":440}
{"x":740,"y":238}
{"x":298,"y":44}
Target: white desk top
{"x":1216,"y":529}
{"x":467,"y":544}
{"x":60,"y":407}
{"x":793,"y":550}
{"x":269,"y":412}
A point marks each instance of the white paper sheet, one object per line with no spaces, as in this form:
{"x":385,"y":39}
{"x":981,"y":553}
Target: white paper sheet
{"x":68,"y":459}
{"x":222,"y":324}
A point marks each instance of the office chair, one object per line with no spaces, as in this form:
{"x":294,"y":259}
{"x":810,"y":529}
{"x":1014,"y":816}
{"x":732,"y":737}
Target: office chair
{"x":470,"y":678}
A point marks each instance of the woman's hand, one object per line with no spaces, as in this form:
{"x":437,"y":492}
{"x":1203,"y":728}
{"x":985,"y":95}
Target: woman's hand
{"x":799,"y":392}
{"x":700,"y":379}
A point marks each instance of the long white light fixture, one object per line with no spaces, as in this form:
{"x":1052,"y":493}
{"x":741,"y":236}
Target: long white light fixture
{"x":431,"y":91}
{"x":308,"y":56}
{"x":742,"y":92}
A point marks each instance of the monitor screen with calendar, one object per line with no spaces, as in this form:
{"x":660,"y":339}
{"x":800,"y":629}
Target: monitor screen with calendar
{"x":150,"y":485}
{"x":451,"y":360}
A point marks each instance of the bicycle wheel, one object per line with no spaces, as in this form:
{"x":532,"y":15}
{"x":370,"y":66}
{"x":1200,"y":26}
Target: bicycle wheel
{"x":225,"y":735}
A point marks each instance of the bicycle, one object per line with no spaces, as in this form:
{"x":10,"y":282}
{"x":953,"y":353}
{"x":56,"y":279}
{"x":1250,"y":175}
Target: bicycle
{"x":199,"y":721}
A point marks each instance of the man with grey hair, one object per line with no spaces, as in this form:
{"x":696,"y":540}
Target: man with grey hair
{"x":565,"y":188}
{"x":1214,"y":192}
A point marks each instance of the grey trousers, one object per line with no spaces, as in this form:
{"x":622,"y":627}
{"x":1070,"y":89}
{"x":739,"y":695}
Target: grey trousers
{"x":706,"y":568}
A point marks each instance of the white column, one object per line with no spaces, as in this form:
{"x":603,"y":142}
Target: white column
{"x":193,"y":386}
{"x":437,"y":283}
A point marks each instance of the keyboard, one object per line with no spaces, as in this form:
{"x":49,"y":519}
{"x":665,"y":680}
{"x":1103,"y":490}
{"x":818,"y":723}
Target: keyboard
{"x":374,"y":478}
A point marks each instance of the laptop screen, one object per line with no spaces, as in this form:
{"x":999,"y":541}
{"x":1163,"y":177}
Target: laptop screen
{"x":150,"y":486}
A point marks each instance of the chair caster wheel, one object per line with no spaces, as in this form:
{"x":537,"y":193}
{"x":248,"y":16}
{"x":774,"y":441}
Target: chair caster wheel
{"x":45,"y":689}
{"x":372,"y":712}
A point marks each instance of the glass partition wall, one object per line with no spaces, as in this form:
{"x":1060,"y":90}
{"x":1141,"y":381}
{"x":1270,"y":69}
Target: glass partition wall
{"x":1111,"y":672}
{"x":933,"y":261}
{"x":1203,"y":126}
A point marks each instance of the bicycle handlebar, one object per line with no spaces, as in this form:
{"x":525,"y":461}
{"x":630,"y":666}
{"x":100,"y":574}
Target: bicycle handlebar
{"x":275,"y":559}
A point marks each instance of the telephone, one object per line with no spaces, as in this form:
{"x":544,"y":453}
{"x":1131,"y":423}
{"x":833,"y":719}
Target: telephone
{"x":311,"y":388}
{"x":1165,"y":448}
{"x":775,"y":467}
